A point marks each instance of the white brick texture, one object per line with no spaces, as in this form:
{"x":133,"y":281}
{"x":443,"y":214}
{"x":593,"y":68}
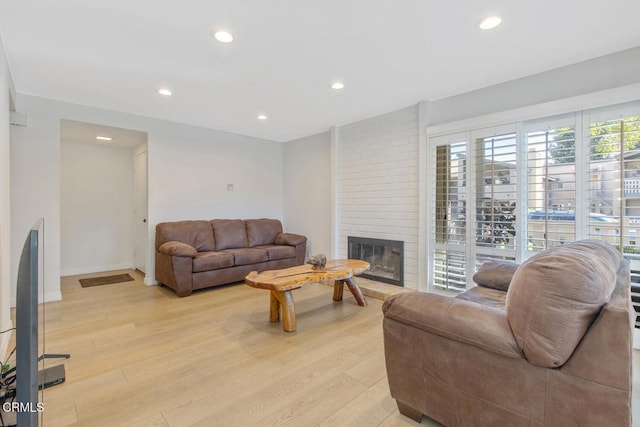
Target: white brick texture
{"x":377,"y":183}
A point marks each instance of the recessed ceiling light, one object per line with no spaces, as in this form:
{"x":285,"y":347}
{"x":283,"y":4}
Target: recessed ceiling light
{"x":104,"y":138}
{"x":223,"y":36}
{"x":337,"y":86}
{"x":489,"y":22}
{"x":262,"y":117}
{"x":165,"y":92}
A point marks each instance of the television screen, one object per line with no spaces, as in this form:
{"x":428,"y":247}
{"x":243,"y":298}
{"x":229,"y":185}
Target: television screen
{"x":30,"y":271}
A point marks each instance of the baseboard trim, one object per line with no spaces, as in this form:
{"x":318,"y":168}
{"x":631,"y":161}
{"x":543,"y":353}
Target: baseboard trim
{"x":48,"y":297}
{"x":149,"y":281}
{"x":52,"y":296}
{"x":95,"y":269}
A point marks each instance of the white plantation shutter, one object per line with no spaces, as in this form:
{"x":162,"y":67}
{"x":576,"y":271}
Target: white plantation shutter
{"x":551,"y":187}
{"x":614,"y":180}
{"x":614,"y":189}
{"x":509,"y":191}
{"x":482,"y":258}
{"x":449,"y":217}
{"x":495,"y":197}
{"x":451,"y":193}
{"x":480,"y":210}
{"x":450,"y":269}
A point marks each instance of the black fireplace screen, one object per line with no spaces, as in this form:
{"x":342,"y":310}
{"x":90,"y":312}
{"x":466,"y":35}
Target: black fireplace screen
{"x":386,"y":258}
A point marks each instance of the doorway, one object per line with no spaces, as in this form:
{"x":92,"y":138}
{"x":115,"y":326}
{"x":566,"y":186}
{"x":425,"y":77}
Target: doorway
{"x":103,"y":198}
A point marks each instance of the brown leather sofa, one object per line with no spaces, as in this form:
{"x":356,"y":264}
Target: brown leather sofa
{"x":546,"y":343}
{"x":199,"y":254}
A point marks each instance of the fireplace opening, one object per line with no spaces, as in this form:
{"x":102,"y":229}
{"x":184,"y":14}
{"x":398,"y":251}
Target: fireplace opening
{"x":386,"y":258}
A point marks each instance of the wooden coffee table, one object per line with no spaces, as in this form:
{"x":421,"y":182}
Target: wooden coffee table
{"x":282,"y":282}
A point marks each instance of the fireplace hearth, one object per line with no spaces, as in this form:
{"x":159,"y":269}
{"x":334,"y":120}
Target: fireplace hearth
{"x":386,"y":258}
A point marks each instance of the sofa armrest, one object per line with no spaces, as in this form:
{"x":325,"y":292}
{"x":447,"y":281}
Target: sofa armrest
{"x":290,"y":239}
{"x":295,"y":240}
{"x":174,"y":248}
{"x":464,"y":321}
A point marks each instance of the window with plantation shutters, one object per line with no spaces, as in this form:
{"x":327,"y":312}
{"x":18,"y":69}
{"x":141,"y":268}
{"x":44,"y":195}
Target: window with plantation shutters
{"x":473,"y":206}
{"x":451,"y":193}
{"x":506,"y":192}
{"x":496,"y":191}
{"x":614,"y":189}
{"x":614,"y":181}
{"x":450,"y":209}
{"x":551,"y":187}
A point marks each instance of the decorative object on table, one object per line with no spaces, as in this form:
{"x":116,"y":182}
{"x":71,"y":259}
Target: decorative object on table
{"x":318,"y":262}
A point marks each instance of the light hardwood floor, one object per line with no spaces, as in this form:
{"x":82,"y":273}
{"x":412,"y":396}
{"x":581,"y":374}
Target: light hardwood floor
{"x":140,"y":356}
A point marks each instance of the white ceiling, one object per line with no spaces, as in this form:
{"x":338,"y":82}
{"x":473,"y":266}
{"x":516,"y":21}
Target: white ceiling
{"x":115,"y":54}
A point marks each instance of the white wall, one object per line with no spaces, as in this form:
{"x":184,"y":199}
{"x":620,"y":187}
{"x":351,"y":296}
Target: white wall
{"x":377,"y":183}
{"x":96,"y":208}
{"x":189,"y":169}
{"x":307,"y":191}
{"x":35,"y":190}
{"x":606,"y":72}
{"x":6,"y":89}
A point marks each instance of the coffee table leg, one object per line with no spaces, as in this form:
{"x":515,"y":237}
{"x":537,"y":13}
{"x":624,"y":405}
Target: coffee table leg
{"x":338,"y":288}
{"x":274,"y":312}
{"x":355,"y":290}
{"x":285,"y":300}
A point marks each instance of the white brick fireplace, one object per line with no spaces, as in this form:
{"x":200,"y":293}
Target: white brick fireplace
{"x":377,"y":184}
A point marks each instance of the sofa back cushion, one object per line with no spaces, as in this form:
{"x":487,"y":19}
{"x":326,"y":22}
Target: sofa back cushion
{"x":496,"y":274}
{"x":262,"y":231}
{"x":555,"y":295}
{"x":195,"y":233}
{"x":229,"y":233}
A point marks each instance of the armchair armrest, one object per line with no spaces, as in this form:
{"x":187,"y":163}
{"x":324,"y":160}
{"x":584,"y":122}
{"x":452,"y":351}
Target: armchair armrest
{"x":464,"y":321}
{"x":174,"y":248}
{"x":290,"y":239}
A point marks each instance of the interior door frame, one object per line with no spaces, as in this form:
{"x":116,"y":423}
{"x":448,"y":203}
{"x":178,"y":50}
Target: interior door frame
{"x":140,"y":232}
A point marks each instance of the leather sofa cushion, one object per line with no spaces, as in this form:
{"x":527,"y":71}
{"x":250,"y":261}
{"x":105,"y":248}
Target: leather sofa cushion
{"x":262,"y":231}
{"x":279,"y":252}
{"x":495,"y":274}
{"x":248,"y":256}
{"x":194,"y":233}
{"x":205,"y":261}
{"x":556,"y":294}
{"x":459,"y":320}
{"x":229,"y":233}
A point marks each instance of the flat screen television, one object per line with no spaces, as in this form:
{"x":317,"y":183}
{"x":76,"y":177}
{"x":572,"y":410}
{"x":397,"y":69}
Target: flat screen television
{"x":29,"y":277}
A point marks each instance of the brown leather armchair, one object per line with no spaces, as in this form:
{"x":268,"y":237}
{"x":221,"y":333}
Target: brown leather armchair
{"x":549,"y":346}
